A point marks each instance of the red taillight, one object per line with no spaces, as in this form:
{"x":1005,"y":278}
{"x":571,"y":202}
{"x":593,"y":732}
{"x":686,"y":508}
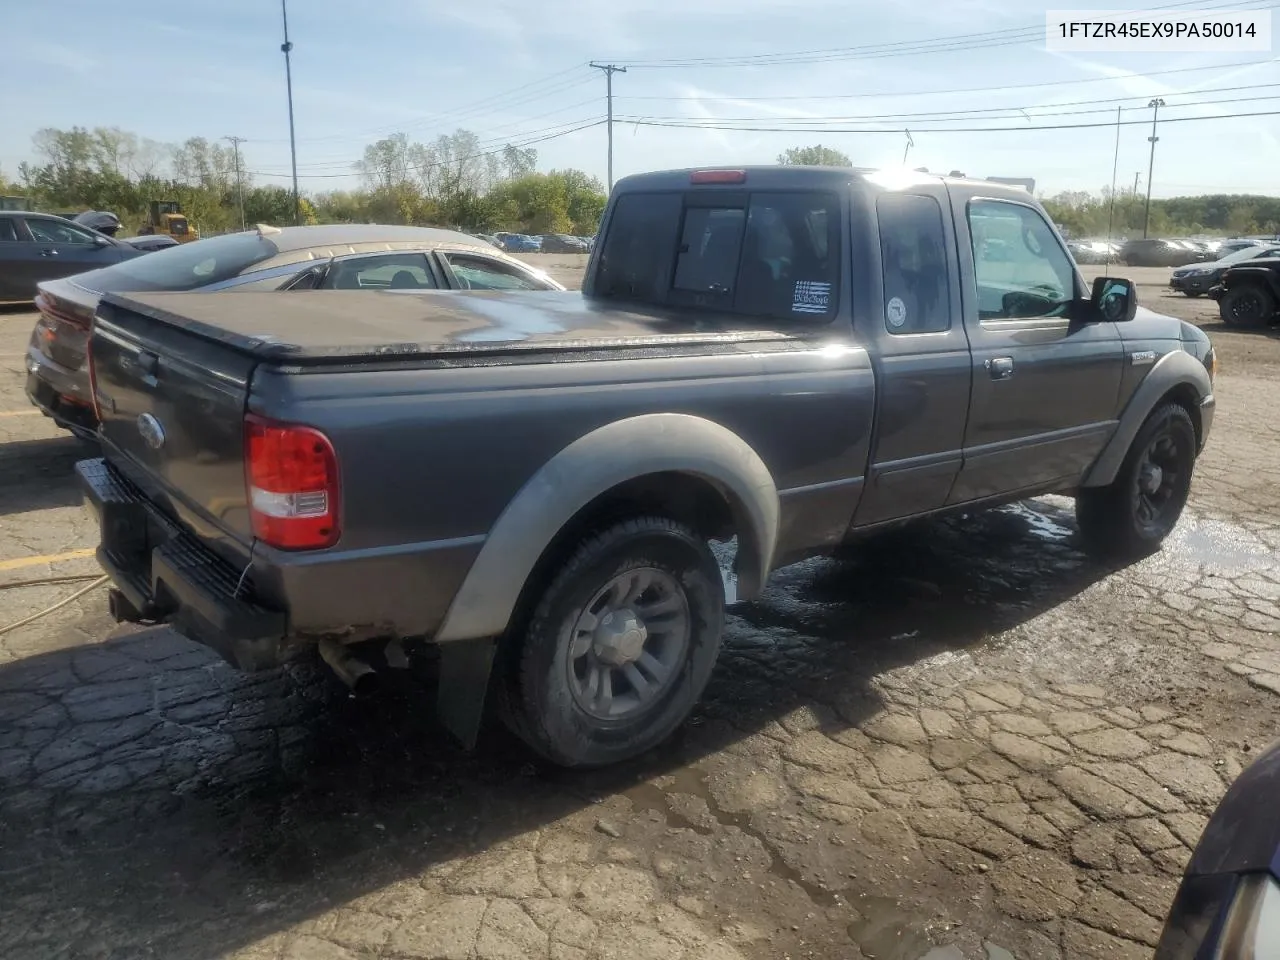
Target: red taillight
{"x":718,"y":176}
{"x":291,"y":474}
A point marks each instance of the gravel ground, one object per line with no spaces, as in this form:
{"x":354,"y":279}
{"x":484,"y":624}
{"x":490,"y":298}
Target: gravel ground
{"x":970,"y":740}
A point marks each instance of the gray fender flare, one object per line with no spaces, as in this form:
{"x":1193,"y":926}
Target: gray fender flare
{"x":593,"y":465}
{"x":1176,"y":368}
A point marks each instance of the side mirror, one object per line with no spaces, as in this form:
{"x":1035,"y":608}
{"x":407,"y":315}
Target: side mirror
{"x":100,"y":241}
{"x":1114,"y":300}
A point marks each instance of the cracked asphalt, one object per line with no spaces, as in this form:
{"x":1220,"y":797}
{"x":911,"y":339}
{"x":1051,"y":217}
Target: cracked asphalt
{"x":966,"y":742}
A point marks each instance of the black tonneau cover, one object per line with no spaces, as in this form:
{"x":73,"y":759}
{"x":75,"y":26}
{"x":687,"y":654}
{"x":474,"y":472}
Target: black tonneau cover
{"x":328,"y":325}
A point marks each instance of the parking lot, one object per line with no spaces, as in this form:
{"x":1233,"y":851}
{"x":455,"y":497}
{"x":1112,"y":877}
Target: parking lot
{"x":969,"y":740}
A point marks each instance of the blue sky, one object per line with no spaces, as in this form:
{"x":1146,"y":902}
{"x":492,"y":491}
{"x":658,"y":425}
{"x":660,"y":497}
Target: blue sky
{"x":515,"y":69}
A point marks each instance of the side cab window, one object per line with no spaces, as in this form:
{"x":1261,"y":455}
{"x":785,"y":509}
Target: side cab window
{"x":1021,"y":268}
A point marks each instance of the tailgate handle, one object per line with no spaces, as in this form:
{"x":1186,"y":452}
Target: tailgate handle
{"x":148,"y":363}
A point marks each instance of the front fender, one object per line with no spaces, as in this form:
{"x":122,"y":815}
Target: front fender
{"x":594,"y":464}
{"x":1175,"y":370}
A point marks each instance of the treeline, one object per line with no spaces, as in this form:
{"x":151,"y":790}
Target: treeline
{"x":1086,"y":214}
{"x":450,"y":182}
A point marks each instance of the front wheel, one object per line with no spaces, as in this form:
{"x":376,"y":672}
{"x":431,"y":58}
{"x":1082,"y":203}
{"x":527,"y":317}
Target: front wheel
{"x":1131,"y":517}
{"x":620,"y":646}
{"x":1248,"y":306}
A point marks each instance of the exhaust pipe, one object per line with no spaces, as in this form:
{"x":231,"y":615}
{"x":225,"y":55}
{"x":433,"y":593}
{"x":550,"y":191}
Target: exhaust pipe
{"x":361,"y":678}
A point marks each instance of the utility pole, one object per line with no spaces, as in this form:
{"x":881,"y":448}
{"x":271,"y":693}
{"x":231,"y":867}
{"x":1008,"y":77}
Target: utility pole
{"x":1155,"y":106}
{"x":285,"y":48}
{"x":609,"y":70}
{"x":235,"y":145}
{"x":1137,"y":175}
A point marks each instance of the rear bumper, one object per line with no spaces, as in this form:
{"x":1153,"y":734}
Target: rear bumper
{"x":60,"y":393}
{"x":167,"y":576}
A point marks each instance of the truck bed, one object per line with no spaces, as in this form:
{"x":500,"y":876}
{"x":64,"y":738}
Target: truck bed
{"x":342,"y":325}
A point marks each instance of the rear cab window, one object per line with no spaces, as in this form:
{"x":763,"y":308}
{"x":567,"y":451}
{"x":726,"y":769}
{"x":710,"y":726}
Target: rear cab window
{"x":765,"y":254}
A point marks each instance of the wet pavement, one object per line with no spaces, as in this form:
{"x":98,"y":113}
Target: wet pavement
{"x":967,"y":741}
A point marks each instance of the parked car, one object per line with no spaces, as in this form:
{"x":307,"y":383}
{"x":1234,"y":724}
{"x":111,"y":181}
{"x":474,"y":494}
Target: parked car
{"x":322,"y":472}
{"x":1159,"y":253}
{"x":561,"y":243}
{"x":1093,"y":251}
{"x":41,"y":246}
{"x":103,"y":221}
{"x":1231,"y":246}
{"x":1195,"y":281}
{"x":1249,"y":293}
{"x":518,"y":243}
{"x":341,"y":256}
{"x":1228,"y":903}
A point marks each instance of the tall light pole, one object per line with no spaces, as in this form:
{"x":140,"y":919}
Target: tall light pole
{"x":1155,"y":106}
{"x":609,"y":70}
{"x":235,"y":145}
{"x":285,"y":48}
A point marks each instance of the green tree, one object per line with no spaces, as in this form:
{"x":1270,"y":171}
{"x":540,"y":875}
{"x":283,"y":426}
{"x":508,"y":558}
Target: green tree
{"x":815,"y":156}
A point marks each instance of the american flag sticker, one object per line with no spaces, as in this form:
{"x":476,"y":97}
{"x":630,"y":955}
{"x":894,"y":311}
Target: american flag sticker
{"x":811,"y":296}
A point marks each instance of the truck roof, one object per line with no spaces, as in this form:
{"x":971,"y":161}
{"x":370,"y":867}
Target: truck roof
{"x":789,"y":177}
{"x":338,"y":325}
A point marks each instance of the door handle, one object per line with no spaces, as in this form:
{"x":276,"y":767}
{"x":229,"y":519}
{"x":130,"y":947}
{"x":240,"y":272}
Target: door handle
{"x":1000,"y":368}
{"x":48,"y":252}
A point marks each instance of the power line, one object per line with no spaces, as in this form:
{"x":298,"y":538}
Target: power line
{"x":516,"y":96}
{"x":897,"y":131}
{"x":975,"y":113}
{"x":421,"y":168}
{"x":489,"y":134}
{"x":952,"y":91}
{"x":485,"y":143}
{"x":953,"y":42}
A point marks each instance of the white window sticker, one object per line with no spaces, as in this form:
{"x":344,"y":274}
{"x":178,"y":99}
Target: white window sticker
{"x":895,"y":312}
{"x":811,"y":296}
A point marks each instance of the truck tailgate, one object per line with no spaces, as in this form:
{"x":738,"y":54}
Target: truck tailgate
{"x":172,"y":405}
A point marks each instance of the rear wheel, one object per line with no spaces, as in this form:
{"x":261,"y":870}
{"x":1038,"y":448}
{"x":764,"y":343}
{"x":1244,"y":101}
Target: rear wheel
{"x":1249,"y":306}
{"x":620,"y":646}
{"x":1131,"y":517}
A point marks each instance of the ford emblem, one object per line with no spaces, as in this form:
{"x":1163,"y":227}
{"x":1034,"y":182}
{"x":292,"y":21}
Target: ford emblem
{"x":151,"y":430}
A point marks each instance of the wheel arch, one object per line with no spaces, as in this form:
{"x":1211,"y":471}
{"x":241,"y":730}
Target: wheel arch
{"x":1178,"y":377}
{"x":678,"y":465}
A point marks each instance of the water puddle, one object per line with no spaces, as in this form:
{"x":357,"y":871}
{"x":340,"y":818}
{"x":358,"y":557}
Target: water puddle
{"x":887,"y":933}
{"x":1218,"y":546}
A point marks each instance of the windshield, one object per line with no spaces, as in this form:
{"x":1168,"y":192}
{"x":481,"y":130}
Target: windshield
{"x":184,"y":267}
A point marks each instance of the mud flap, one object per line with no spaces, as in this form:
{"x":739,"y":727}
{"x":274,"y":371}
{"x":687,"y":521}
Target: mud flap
{"x":464,"y":679}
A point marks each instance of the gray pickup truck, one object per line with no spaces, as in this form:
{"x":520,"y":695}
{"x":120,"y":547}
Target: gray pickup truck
{"x":782,"y":359}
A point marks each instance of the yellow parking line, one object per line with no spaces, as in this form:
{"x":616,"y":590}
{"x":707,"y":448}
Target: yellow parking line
{"x":19,"y":413}
{"x":19,"y":562}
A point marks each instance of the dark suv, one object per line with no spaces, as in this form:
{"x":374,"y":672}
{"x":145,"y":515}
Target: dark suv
{"x":1250,"y":292}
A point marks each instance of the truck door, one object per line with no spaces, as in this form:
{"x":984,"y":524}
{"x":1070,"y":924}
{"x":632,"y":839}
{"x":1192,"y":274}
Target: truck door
{"x":1045,"y":387}
{"x":913,"y":321}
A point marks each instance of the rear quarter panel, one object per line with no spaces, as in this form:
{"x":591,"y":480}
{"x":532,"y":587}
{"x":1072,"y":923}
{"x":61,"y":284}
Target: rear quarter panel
{"x":429,"y":458}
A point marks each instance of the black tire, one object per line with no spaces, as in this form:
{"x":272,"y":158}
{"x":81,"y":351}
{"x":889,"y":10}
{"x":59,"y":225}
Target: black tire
{"x":1247,"y":306}
{"x":1114,"y":520}
{"x":541,"y":695}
